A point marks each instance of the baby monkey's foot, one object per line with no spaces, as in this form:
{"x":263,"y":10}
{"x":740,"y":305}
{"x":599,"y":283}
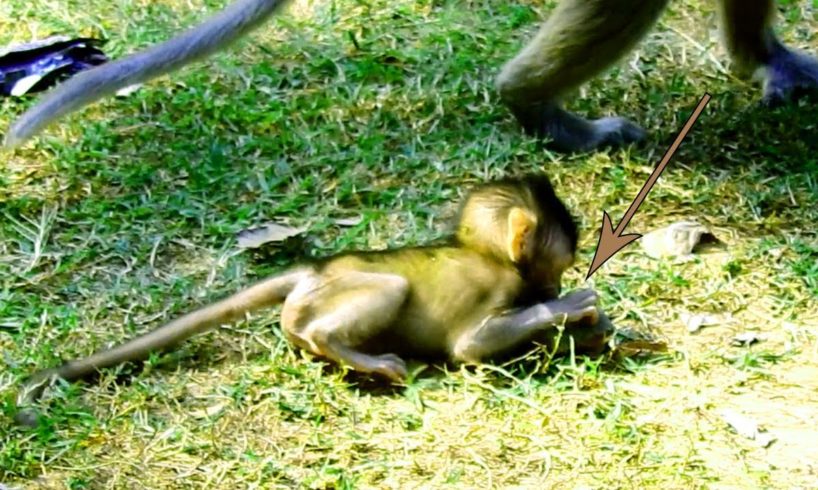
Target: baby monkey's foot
{"x":789,"y":76}
{"x":587,"y":329}
{"x":390,"y":366}
{"x":577,"y":306}
{"x":569,"y":132}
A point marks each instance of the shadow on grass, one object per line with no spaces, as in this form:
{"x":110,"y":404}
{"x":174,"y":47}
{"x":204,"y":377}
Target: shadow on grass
{"x":738,"y":134}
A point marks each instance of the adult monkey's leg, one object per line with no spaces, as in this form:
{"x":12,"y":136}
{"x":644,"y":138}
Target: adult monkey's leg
{"x":580,"y":39}
{"x":752,"y":43}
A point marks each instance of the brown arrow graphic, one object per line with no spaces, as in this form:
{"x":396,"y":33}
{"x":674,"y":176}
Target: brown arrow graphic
{"x":612,"y":241}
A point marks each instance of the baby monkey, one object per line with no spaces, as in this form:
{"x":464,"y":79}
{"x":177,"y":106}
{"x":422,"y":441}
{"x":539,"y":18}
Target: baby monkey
{"x":487,"y":291}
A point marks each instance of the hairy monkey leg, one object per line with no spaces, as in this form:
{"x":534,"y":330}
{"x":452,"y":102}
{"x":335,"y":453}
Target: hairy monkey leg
{"x":579,"y":40}
{"x":333,"y":317}
{"x":752,"y":44}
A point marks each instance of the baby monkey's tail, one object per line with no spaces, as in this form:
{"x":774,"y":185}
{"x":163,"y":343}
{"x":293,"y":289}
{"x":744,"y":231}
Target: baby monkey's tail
{"x":266,"y":293}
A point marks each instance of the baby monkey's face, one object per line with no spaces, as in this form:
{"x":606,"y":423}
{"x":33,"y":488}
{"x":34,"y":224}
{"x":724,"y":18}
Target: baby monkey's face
{"x":551,"y":258}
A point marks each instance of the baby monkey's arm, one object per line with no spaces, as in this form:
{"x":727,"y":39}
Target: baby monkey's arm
{"x":499,"y":334}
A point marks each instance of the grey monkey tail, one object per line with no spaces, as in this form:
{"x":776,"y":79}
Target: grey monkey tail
{"x":88,"y":86}
{"x":266,"y":293}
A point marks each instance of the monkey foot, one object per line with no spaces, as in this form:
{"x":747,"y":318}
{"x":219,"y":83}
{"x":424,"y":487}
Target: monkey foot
{"x":617,"y":131}
{"x":789,"y":76}
{"x":577,"y":306}
{"x":569,"y":132}
{"x":390,"y":366}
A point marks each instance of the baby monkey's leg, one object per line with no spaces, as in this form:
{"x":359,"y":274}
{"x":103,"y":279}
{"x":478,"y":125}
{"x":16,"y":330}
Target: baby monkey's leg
{"x":500,"y":334}
{"x":345,"y":312}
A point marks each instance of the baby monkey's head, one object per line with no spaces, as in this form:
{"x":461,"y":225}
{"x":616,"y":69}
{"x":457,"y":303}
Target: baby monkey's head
{"x":522,"y":220}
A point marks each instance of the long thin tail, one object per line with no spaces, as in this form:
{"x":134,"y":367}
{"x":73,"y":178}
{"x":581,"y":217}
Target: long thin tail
{"x":212,"y":35}
{"x":269,"y":292}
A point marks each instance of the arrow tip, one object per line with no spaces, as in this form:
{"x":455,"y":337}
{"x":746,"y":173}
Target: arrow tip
{"x":610,"y":242}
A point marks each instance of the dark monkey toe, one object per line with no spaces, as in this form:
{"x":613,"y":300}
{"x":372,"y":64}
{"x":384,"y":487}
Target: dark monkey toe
{"x":565,"y":131}
{"x":392,"y":367}
{"x":789,"y":76}
{"x":618,"y":131}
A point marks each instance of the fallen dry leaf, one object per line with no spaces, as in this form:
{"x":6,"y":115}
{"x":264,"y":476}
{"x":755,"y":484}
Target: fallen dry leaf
{"x":679,"y":239}
{"x":695,"y":321}
{"x":635,"y":348}
{"x":271,"y":232}
{"x":209,"y":411}
{"x":351,"y":221}
{"x":746,"y":338}
{"x":746,"y":427}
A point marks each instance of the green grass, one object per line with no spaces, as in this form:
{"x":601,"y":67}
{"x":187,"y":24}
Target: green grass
{"x":125,"y":215}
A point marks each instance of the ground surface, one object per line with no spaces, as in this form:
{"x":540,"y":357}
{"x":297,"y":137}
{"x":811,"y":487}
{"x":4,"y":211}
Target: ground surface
{"x":126,"y":215}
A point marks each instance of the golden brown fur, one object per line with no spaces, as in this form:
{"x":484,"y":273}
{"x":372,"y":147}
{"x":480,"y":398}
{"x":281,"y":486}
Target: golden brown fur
{"x":492,"y":288}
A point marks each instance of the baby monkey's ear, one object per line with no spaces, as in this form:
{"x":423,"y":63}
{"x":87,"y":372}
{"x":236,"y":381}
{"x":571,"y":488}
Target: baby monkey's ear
{"x":521,"y":226}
